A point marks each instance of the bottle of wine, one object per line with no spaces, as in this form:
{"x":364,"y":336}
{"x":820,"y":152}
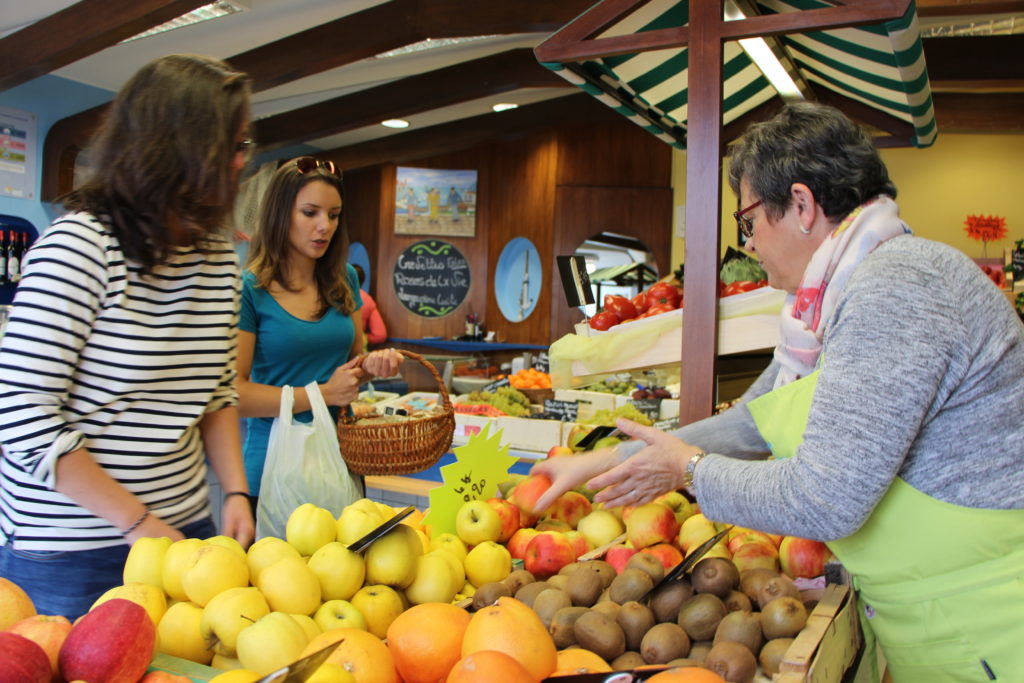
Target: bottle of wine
{"x":13,"y":257}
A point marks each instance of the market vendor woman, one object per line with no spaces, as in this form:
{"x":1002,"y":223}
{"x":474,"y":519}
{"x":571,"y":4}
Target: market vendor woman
{"x":892,"y":409}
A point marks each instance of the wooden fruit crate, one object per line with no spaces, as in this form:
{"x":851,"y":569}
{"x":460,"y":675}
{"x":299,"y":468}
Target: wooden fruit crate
{"x":828,"y":645}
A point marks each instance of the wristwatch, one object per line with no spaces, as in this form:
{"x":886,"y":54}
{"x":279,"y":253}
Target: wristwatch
{"x":691,"y":467}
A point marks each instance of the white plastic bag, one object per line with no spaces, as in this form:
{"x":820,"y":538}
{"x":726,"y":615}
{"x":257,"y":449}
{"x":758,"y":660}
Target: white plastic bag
{"x":303,"y":465}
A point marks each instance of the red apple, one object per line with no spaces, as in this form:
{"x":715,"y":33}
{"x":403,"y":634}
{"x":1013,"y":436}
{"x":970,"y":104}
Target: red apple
{"x":508,"y":513}
{"x":48,"y":632}
{"x":747,"y":536}
{"x":558,"y":450}
{"x":756,"y":554}
{"x":802,"y":557}
{"x":649,"y":524}
{"x":23,"y":661}
{"x":520,"y":539}
{"x":525,"y":495}
{"x":570,"y":507}
{"x":580,"y":544}
{"x":548,"y":552}
{"x":669,"y":555}
{"x":112,"y":643}
{"x":550,"y":524}
{"x":618,"y":555}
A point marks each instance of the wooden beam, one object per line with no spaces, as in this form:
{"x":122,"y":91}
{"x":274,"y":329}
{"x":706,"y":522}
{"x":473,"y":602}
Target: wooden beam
{"x":78,"y":31}
{"x":462,"y":82}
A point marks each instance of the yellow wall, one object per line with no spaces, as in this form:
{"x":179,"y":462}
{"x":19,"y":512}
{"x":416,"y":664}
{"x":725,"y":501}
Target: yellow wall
{"x":938,"y":188}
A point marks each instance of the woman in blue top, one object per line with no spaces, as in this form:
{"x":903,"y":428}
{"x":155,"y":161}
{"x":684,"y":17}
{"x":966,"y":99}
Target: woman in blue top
{"x":300,"y":319}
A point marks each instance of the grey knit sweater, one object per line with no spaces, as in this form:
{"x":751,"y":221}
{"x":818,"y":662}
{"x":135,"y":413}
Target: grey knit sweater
{"x":923,"y":378}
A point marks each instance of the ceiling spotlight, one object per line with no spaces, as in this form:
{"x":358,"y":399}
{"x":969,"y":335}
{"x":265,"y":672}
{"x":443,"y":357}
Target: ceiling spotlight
{"x":504,"y":106}
{"x":395,"y":123}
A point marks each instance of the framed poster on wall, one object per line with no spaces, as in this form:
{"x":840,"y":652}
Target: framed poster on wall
{"x":432,"y":201}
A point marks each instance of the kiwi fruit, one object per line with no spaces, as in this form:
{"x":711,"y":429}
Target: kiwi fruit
{"x":488,"y":593}
{"x":683,"y":662}
{"x":663,"y":643}
{"x":701,"y":614}
{"x":649,"y":563}
{"x":665,"y":601}
{"x":738,"y":602}
{"x":548,"y":602}
{"x":584,"y":587}
{"x":517,"y":579}
{"x":627,"y":661}
{"x":636,"y":619}
{"x":602,"y":569}
{"x":559,"y":581}
{"x":600,"y":634}
{"x":783,"y":617}
{"x":699,"y":650}
{"x":732,"y":661}
{"x":607,"y":607}
{"x":751,"y":581}
{"x":772,"y":653}
{"x":527,"y":593}
{"x":715,"y":575}
{"x":743,"y":628}
{"x":631,"y":584}
{"x":562,"y":623}
{"x":777,"y":587}
{"x":569,"y":568}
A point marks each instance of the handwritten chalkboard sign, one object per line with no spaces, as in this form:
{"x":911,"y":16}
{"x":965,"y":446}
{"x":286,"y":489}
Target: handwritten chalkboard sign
{"x":494,"y":386}
{"x":651,"y":407}
{"x":1018,"y":261}
{"x":566,"y":411}
{"x":431,"y":278}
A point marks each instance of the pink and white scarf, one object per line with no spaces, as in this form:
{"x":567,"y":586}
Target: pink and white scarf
{"x":805,"y":314}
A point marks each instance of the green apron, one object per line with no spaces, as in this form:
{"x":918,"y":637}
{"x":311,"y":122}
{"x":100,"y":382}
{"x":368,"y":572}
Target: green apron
{"x":940,"y":586}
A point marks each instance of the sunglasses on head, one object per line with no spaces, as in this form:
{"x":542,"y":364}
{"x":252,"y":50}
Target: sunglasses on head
{"x":306,"y":164}
{"x":246,"y":147}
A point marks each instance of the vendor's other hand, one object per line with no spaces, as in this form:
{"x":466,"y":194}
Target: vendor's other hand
{"x":569,"y":471}
{"x":652,"y":471}
{"x":381,"y":363}
{"x":343,"y":386}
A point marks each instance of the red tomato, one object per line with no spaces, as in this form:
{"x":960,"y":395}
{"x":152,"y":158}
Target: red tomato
{"x":663,"y":293}
{"x":603,"y":320}
{"x":640,"y":302}
{"x":658,"y":309}
{"x":739,"y":287}
{"x":622,"y":307}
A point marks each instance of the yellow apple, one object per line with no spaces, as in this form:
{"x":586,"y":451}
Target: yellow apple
{"x":233,"y":671}
{"x":476,"y":522}
{"x":145,"y":562}
{"x":175,"y":560}
{"x":354,"y":523}
{"x":340,"y":571}
{"x":276,"y":640}
{"x":454,"y":563}
{"x":434,"y":580}
{"x":266,"y":552}
{"x":694,"y":530}
{"x":339,"y":614}
{"x":309,"y":527}
{"x":179,"y":635}
{"x":450,"y":542}
{"x":600,"y":527}
{"x":678,"y":504}
{"x":210,"y":570}
{"x":379,"y":605}
{"x":309,"y":627}
{"x":488,"y":562}
{"x":391,"y":559}
{"x":385,"y":510}
{"x":149,"y":597}
{"x":289,"y":585}
{"x":329,"y":672}
{"x":229,"y":543}
{"x":227,"y":614}
{"x":367,"y":505}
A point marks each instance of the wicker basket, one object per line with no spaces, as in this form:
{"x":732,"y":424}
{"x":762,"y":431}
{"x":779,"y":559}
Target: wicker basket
{"x":398,"y":447}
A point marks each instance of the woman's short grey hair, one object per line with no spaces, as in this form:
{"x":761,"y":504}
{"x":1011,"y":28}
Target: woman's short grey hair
{"x":818,"y":146}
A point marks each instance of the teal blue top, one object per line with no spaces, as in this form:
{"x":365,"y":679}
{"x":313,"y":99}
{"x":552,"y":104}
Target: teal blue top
{"x":289,"y":351}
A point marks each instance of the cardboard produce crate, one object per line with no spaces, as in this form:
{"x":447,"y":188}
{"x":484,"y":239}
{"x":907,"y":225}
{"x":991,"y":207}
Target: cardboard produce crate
{"x":828,"y":644}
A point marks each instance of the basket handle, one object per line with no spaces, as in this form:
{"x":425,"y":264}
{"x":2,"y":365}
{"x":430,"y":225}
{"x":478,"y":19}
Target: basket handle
{"x":446,"y":402}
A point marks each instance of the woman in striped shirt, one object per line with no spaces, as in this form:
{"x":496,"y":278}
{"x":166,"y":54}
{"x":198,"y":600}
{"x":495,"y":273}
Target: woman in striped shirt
{"x":117,"y":368}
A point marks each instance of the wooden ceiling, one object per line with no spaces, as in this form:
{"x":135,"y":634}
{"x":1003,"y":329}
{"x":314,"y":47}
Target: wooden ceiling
{"x":977,"y":81}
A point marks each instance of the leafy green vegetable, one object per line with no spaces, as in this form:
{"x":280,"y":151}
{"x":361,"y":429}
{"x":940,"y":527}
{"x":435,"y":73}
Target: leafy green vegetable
{"x":743,"y":268}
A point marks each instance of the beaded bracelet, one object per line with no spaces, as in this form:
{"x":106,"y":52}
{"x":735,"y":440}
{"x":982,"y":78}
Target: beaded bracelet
{"x":228,"y":494}
{"x":135,"y":526}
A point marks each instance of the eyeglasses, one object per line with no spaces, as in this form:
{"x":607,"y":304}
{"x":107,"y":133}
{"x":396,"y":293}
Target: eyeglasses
{"x":306,"y":164}
{"x":746,"y":225}
{"x":246,"y":147}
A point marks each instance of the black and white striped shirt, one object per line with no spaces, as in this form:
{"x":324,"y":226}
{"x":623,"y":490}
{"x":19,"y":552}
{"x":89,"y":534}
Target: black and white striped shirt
{"x":97,"y":356}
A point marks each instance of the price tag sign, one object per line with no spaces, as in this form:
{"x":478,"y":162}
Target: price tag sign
{"x":651,"y":407}
{"x":479,"y":467}
{"x":566,"y":411}
{"x":668,"y":424}
{"x":493,"y":386}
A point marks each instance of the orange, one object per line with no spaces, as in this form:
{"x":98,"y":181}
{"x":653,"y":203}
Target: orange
{"x":426,"y":641}
{"x":360,"y":653}
{"x":511,"y":627}
{"x":686,"y":674}
{"x":488,"y":666}
{"x":580,"y":661}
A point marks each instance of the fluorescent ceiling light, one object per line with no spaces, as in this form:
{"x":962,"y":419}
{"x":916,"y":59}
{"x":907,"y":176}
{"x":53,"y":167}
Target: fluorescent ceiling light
{"x":504,"y":106}
{"x":431,"y":44}
{"x":214,"y":10}
{"x":761,"y":54}
{"x":395,"y":123}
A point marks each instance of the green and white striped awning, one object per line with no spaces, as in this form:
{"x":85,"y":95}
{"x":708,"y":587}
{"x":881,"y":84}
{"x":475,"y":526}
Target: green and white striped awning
{"x":881,"y":66}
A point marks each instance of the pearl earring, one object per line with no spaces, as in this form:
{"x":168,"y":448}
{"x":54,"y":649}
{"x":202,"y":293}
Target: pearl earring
{"x":806,"y":231}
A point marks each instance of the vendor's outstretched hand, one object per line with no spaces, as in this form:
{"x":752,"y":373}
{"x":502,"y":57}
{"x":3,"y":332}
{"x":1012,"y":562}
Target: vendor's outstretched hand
{"x":568,"y":471}
{"x":654,"y":470}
